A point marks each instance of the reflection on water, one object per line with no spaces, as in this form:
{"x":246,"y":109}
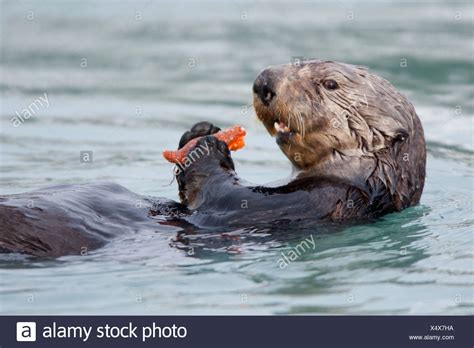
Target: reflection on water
{"x":126,"y":88}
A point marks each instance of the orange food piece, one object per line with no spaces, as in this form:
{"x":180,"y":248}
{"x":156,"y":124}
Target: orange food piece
{"x":233,"y":137}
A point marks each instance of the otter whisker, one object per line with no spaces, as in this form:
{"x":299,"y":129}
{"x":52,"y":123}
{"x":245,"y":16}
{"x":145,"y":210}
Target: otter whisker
{"x":301,"y":125}
{"x":290,"y":118}
{"x":298,"y":123}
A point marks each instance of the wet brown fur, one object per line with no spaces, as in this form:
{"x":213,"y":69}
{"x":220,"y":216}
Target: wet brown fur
{"x":365,"y":131}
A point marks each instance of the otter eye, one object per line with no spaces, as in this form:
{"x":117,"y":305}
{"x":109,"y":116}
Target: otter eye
{"x":330,"y":84}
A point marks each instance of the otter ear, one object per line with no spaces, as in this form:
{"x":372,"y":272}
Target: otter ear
{"x":378,"y":131}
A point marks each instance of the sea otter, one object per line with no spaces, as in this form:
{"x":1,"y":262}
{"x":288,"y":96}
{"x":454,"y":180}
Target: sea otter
{"x":356,"y":145}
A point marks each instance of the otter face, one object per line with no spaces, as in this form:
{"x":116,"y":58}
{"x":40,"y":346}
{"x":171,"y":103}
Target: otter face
{"x":321,"y":109}
{"x":335,"y":119}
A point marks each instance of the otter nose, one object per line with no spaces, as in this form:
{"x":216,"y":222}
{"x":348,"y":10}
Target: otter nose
{"x":263,"y":87}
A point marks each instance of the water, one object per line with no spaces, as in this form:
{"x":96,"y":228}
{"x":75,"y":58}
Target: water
{"x":127,"y":88}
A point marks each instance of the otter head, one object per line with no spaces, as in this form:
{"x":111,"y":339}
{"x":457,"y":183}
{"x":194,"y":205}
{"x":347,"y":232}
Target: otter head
{"x":339,"y":120}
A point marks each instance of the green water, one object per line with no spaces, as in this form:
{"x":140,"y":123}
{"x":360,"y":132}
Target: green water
{"x":125,"y":79}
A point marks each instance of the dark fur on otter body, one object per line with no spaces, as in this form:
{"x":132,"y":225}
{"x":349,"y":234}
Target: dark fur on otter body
{"x":355,"y":142}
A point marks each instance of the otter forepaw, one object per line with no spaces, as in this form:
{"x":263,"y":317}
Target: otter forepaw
{"x":206,"y":159}
{"x":198,"y":130}
{"x":216,"y":149}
